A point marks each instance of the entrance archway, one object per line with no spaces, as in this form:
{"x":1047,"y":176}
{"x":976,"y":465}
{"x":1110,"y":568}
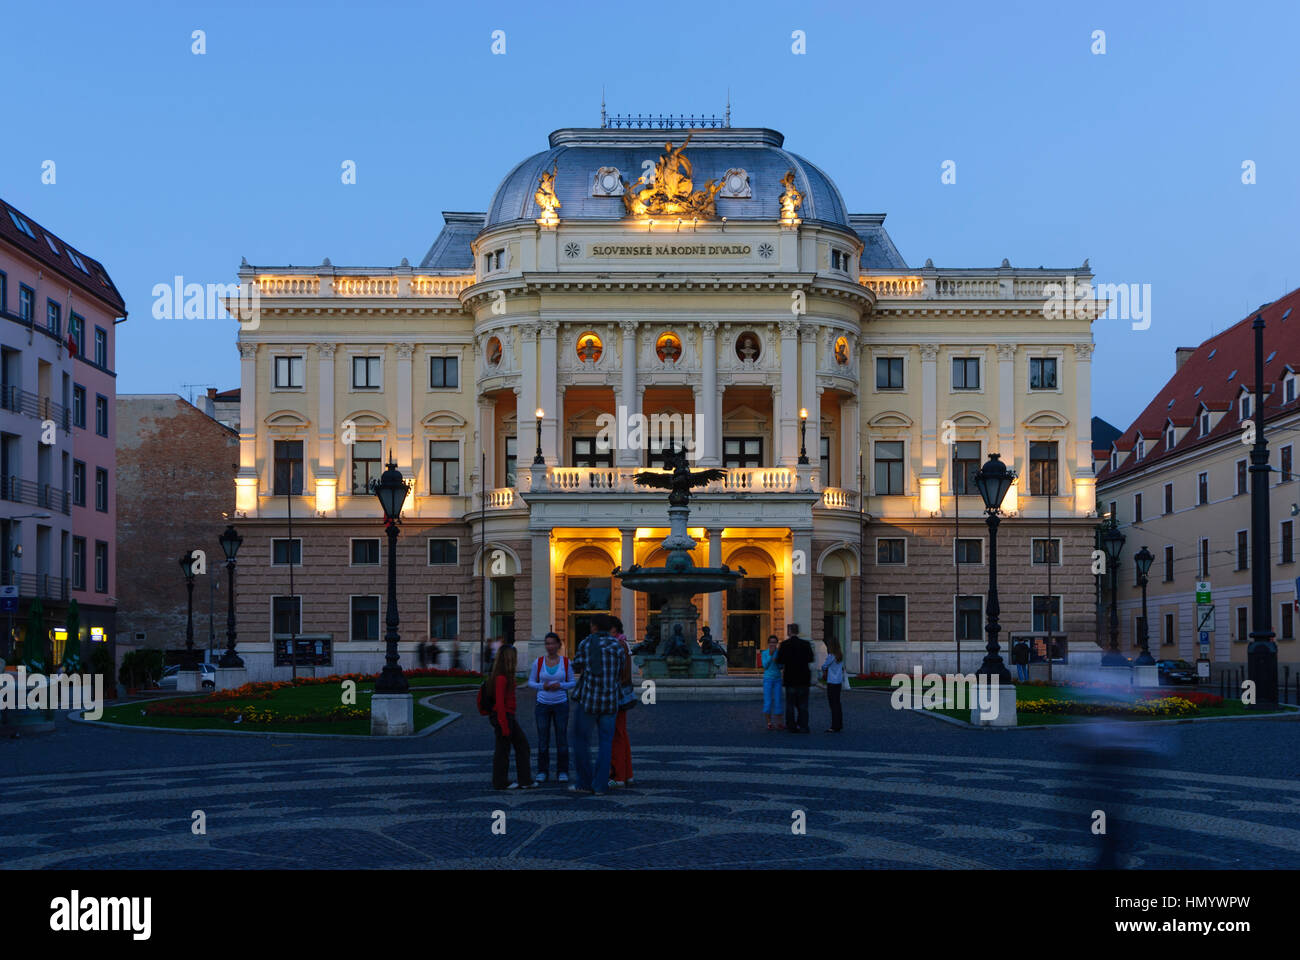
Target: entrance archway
{"x":749,"y":608}
{"x":586,"y":588}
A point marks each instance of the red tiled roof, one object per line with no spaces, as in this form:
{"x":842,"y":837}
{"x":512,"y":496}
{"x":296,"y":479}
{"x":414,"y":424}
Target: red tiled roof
{"x":96,"y":282}
{"x":1208,"y":368}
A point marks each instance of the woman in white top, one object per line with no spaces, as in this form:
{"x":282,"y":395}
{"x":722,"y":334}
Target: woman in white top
{"x":552,"y":677}
{"x":833,"y":674}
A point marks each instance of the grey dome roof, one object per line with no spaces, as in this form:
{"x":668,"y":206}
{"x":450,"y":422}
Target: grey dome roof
{"x":579,"y":153}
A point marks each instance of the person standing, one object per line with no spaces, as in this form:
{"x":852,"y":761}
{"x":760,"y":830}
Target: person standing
{"x":552,"y":677}
{"x":773,"y":702}
{"x":506,"y":726}
{"x":795,"y":656}
{"x":833,"y":674}
{"x":620,"y":767}
{"x":599,"y":665}
{"x":1020,"y":657}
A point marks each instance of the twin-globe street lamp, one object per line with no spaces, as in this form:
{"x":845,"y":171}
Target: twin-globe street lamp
{"x":230,"y":542}
{"x":1112,"y":544}
{"x":1143,"y":559}
{"x":391,"y":491}
{"x":993,"y":481}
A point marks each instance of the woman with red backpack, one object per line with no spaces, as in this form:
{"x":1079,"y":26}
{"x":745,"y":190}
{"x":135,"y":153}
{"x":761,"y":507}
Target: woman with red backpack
{"x":552,"y":677}
{"x":499,"y":705}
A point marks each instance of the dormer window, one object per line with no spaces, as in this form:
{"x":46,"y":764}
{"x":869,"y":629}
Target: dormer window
{"x":1205,"y":422}
{"x":1141,"y":447}
{"x":1114,"y":459}
{"x":1288,"y":388}
{"x":1169,"y":437}
{"x":1245,"y":406}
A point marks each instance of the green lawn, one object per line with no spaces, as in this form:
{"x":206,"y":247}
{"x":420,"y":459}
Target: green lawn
{"x":292,"y":700}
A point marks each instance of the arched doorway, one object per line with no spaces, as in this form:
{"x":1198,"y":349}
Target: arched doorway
{"x":837,"y":570}
{"x":586,"y":589}
{"x":749,"y":608}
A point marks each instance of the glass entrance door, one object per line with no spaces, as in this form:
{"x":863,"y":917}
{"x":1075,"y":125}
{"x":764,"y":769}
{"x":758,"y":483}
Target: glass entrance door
{"x":748,"y":615}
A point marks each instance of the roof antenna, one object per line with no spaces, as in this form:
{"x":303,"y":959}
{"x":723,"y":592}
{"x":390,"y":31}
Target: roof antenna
{"x":728,"y":123}
{"x":602,"y":106}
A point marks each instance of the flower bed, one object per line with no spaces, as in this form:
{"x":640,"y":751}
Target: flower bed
{"x":1155,"y":707}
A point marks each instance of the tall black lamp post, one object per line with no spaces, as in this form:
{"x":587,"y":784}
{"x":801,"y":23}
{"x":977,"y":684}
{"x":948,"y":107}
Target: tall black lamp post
{"x":187,"y":568}
{"x":1143,"y":559}
{"x":993,"y":480}
{"x":230,"y":542}
{"x":1261,"y":655}
{"x":538,"y":459}
{"x":1112,"y":542}
{"x":391,"y":491}
{"x":803,"y":438}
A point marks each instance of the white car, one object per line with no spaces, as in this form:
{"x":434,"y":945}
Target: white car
{"x":208,"y":671}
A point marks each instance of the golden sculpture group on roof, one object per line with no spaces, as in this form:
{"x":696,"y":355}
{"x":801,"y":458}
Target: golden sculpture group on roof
{"x":669,"y":191}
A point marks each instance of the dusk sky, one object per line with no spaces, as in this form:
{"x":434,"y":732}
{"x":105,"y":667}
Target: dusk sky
{"x":171,"y":163}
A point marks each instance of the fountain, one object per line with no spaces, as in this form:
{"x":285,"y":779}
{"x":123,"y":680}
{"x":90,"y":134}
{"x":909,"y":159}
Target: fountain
{"x":677,"y":651}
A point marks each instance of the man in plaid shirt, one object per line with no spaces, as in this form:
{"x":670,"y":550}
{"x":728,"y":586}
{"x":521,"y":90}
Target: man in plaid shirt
{"x":598,"y":664}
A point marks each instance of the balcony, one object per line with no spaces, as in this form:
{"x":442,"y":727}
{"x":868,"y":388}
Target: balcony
{"x":43,"y":585}
{"x":835,"y":498}
{"x":739,"y":481}
{"x":17,"y":490}
{"x":399,"y":284}
{"x":1004,"y":283}
{"x":42,"y":408}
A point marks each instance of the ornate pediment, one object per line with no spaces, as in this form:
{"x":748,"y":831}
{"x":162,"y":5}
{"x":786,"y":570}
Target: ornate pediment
{"x":890,"y":420}
{"x":1046,"y":419}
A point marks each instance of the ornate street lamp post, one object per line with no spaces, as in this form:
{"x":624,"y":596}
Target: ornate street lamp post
{"x":1112,"y":542}
{"x":230,"y":542}
{"x":187,"y":568}
{"x":803,"y":437}
{"x":1261,"y":655}
{"x":1143,"y":559}
{"x":538,"y":459}
{"x":391,"y":491}
{"x":993,"y":480}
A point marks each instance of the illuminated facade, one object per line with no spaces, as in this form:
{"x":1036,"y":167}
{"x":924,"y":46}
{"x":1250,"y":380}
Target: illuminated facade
{"x":574,"y":308}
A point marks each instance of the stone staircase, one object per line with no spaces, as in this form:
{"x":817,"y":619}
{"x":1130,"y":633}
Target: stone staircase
{"x":732,"y":687}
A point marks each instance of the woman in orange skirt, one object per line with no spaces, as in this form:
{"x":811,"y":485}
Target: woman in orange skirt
{"x":620,"y":760}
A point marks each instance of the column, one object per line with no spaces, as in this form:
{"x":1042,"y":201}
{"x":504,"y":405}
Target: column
{"x":628,"y":396}
{"x":707,"y":407}
{"x":849,"y":442}
{"x":405,"y":429}
{"x":787,"y":453}
{"x":487,"y":447}
{"x":810,"y":397}
{"x":326,"y":474}
{"x":713,"y":605}
{"x":1085,"y":484}
{"x":1005,"y":445}
{"x":542,"y":583}
{"x":929,"y":410}
{"x":548,"y":399}
{"x":627,"y":597}
{"x":527,"y":406}
{"x":247,"y":480}
{"x":798,"y":603}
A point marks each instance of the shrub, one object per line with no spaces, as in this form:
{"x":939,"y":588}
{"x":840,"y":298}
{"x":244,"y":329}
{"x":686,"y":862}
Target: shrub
{"x":101,"y":661}
{"x":140,"y":667}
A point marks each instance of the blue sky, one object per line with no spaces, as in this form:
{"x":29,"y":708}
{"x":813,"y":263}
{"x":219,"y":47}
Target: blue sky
{"x":170,"y":163}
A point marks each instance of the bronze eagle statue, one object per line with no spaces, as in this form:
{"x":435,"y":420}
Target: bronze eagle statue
{"x":682,"y":479}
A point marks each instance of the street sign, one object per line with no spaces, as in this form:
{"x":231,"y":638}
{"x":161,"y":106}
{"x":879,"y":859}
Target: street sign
{"x":1203,"y":591}
{"x":9,"y":591}
{"x":1203,"y":669}
{"x":1205,"y":617}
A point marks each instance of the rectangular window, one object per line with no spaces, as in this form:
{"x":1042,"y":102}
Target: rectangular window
{"x":365,"y":618}
{"x":891,"y":619}
{"x":78,"y":563}
{"x":101,"y":566}
{"x":101,"y":415}
{"x":742,"y":451}
{"x":443,"y":618}
{"x":965,"y":373}
{"x":825,"y":460}
{"x":78,"y":483}
{"x":1042,"y":468}
{"x":101,"y":347}
{"x":1169,"y":638}
{"x":512,"y":461}
{"x":1288,"y":543}
{"x":1202,"y":488}
{"x":1042,"y":373}
{"x":286,"y":615}
{"x":54,"y":318}
{"x":288,"y":468}
{"x":1203,"y":559}
{"x":365,"y":373}
{"x":891,"y":550}
{"x":1286,"y":622}
{"x":1169,"y":498}
{"x":79,"y":406}
{"x":444,"y":373}
{"x":365,"y":552}
{"x":1047,"y":613}
{"x":1241,"y":477}
{"x":1243,"y":631}
{"x":970,"y":617}
{"x":286,"y":552}
{"x":889,"y":467}
{"x":889,"y":373}
{"x":969,"y":550}
{"x":26,"y":303}
{"x":4,"y":292}
{"x":591,"y":452}
{"x":444,"y":468}
{"x":77,"y":331}
{"x":1286,"y":464}
{"x":1047,"y":552}
{"x":101,"y":490}
{"x":1243,"y":550}
{"x":288,"y":373}
{"x":366,"y":464}
{"x":1169,"y":565}
{"x":1114,"y":511}
{"x":1137,"y":508}
{"x":965,"y":464}
{"x":443,"y":551}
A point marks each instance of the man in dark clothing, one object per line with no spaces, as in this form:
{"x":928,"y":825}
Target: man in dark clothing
{"x":794,"y":657}
{"x":1020,"y":657}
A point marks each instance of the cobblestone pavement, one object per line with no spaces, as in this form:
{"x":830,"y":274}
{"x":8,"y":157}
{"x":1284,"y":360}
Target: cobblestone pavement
{"x":713,"y":789}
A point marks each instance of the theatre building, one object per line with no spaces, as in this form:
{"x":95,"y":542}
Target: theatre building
{"x":621,"y":285}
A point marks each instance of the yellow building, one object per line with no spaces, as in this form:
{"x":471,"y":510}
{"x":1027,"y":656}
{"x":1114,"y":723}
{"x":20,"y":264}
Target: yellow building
{"x":1178,"y":483}
{"x":624,"y":287}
